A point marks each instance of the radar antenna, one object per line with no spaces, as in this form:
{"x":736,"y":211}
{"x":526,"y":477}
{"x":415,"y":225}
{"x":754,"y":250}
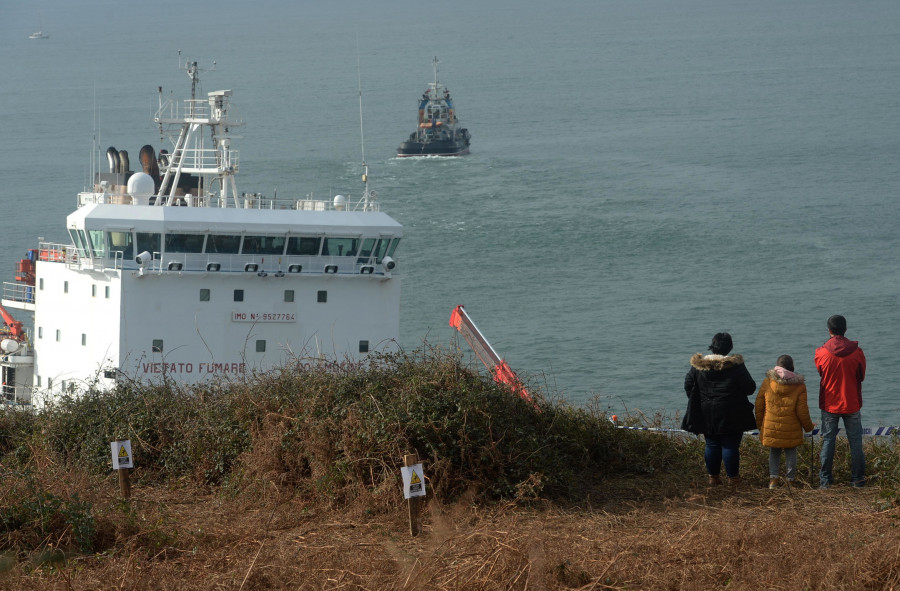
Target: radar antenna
{"x":193,"y":71}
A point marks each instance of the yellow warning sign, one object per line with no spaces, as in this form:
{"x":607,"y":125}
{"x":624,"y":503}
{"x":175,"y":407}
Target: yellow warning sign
{"x":412,"y":481}
{"x":121,"y":454}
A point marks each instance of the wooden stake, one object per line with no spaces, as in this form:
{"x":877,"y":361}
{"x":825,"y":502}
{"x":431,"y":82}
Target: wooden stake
{"x":125,"y":482}
{"x":413,"y":502}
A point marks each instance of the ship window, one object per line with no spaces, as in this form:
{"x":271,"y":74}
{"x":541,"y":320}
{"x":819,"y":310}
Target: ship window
{"x":303,"y":245}
{"x":260,"y":346}
{"x":79,"y":240}
{"x":98,"y":243}
{"x":147,"y":242}
{"x":41,"y":284}
{"x":40,"y":332}
{"x":106,"y":291}
{"x":39,"y":381}
{"x":93,"y":291}
{"x":191,"y":243}
{"x":239,"y":295}
{"x":83,"y":339}
{"x":340,"y":247}
{"x":364,"y":346}
{"x":58,"y":335}
{"x":322,"y":297}
{"x":121,"y":242}
{"x":109,"y":373}
{"x":204,"y":295}
{"x":377,"y":249}
{"x":393,"y":247}
{"x":365,"y":252}
{"x":157,"y":346}
{"x":263,"y":245}
{"x":65,"y":287}
{"x":49,"y":383}
{"x":223,"y":243}
{"x":289,"y":295}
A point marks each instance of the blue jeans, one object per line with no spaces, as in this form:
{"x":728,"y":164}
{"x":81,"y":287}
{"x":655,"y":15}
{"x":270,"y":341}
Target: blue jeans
{"x":853,"y":426}
{"x":725,"y":448}
{"x":790,"y":462}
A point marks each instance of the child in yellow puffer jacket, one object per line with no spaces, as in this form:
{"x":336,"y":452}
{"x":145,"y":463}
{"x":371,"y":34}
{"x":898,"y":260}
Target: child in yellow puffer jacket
{"x":782,"y":415}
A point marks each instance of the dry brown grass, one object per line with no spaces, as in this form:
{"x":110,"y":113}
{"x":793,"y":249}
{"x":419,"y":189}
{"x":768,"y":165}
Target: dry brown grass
{"x":629,"y":534}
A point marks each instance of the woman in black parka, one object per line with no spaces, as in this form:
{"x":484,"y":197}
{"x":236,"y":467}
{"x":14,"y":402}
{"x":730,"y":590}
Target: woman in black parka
{"x":724,"y":385}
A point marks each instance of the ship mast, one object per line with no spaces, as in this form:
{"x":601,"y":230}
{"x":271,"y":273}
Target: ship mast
{"x":190,"y":156}
{"x":365,"y":177}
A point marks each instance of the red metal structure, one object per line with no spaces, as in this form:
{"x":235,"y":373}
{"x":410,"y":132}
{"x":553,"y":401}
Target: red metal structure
{"x":13,"y":329}
{"x":500,"y":370}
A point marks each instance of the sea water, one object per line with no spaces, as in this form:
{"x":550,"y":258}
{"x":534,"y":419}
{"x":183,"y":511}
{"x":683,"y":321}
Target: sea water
{"x":643,"y":173}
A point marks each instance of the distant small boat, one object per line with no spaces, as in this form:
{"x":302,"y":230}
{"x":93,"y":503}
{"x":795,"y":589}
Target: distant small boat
{"x":40,"y":33}
{"x":438,"y":132}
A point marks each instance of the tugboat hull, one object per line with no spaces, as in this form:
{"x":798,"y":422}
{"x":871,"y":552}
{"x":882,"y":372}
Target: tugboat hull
{"x":437,"y":148}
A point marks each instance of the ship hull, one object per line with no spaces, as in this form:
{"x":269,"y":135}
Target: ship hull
{"x":436,"y":148}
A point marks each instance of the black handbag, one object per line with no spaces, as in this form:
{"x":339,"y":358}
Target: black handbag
{"x":693,"y":422}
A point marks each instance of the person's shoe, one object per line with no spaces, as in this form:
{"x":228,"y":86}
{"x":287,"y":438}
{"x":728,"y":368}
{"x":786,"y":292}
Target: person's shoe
{"x":859,"y":483}
{"x":735,"y":481}
{"x":824,"y":486}
{"x":773,"y":483}
{"x":714,"y":480}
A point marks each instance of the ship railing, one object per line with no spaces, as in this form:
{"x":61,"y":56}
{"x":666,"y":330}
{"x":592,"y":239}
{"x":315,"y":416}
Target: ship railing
{"x":245,"y":201}
{"x":209,"y":161}
{"x":176,"y":112}
{"x":55,"y":252}
{"x":18,"y":292}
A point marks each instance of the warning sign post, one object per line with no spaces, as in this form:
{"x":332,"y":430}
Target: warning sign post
{"x":413,"y":488}
{"x":122,"y":462}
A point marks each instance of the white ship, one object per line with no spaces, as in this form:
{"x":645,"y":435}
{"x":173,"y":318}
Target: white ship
{"x":171,"y":274}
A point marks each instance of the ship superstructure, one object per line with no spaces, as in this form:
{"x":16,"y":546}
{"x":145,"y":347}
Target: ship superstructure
{"x":170,"y":273}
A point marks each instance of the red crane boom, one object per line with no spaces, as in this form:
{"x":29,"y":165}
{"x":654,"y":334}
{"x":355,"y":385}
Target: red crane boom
{"x":14,"y":328}
{"x":500,"y":370}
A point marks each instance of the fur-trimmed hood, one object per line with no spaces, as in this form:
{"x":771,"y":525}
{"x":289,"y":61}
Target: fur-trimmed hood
{"x":794,"y":378}
{"x":703,"y":362}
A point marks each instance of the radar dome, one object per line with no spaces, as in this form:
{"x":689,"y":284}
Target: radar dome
{"x":340,"y":202}
{"x":141,"y":185}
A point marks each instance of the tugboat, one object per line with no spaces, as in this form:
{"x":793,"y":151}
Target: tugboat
{"x":171,"y":275}
{"x":438,"y":132}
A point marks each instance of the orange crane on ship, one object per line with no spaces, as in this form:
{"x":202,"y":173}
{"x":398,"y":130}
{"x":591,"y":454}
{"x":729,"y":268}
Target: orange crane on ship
{"x":500,"y":370}
{"x":12,"y":328}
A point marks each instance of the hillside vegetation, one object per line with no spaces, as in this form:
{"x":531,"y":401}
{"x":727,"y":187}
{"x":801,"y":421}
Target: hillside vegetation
{"x":291,"y":479}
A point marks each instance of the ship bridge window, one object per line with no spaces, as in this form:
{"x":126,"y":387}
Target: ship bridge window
{"x":190,"y":243}
{"x":304,"y":245}
{"x":97,"y":242}
{"x":121,"y":242}
{"x":390,"y":251}
{"x":340,"y":247}
{"x":223,"y":243}
{"x":377,"y":249}
{"x":147,"y":242}
{"x":263,"y":245}
{"x":80,"y":241}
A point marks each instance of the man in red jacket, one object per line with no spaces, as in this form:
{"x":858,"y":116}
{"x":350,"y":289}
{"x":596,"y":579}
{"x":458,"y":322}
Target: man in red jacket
{"x":842,"y":367}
